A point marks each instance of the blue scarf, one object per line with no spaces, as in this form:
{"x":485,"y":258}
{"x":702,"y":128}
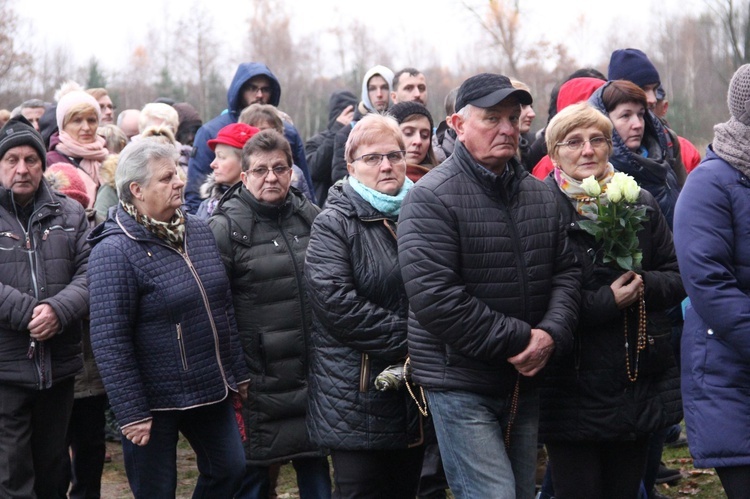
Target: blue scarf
{"x":389,"y":206}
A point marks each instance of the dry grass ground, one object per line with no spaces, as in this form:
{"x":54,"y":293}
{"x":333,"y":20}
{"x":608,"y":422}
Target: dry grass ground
{"x":699,"y":484}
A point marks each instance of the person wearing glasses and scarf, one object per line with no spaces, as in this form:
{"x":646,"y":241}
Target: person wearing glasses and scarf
{"x":262,"y":227}
{"x":600,"y":403}
{"x":360,"y":313}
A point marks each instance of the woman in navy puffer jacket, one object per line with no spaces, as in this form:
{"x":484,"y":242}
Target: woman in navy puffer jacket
{"x":163,"y":331}
{"x":712,"y":237}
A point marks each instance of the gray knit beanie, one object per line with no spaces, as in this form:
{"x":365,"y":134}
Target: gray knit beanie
{"x":738,"y":97}
{"x":732,"y":138}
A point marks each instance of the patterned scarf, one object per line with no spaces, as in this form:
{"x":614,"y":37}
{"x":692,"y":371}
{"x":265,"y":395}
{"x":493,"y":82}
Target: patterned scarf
{"x":172,"y":232}
{"x":387,"y":205}
{"x":584,"y":204}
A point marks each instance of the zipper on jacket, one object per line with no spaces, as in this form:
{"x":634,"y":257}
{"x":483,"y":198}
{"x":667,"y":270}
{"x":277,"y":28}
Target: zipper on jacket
{"x":35,"y":352}
{"x":45,"y":234}
{"x":262,"y":355}
{"x":364,"y":373}
{"x":207,"y":305}
{"x":10,"y":235}
{"x":300,"y":286}
{"x":517,"y":251}
{"x":181,"y":343}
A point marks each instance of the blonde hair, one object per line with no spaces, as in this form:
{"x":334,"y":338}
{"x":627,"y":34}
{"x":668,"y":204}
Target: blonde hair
{"x":258,"y":114}
{"x":370,"y":129}
{"x":520,"y":85}
{"x":162,"y":133}
{"x":79,"y":109}
{"x":158,"y":111}
{"x":116,"y":138}
{"x":581,"y":115}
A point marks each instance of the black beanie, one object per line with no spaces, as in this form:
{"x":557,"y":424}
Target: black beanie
{"x":19,"y":132}
{"x":403,"y":110}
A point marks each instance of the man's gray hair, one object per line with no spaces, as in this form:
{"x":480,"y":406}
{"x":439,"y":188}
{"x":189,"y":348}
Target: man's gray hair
{"x":134,"y":164}
{"x":466,"y":111}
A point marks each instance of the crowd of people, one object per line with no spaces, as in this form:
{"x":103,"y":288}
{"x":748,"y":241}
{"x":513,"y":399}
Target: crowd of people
{"x":420,"y":304}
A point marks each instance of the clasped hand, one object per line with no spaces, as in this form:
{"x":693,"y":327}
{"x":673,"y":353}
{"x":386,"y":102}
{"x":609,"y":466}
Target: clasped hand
{"x":536,"y":355}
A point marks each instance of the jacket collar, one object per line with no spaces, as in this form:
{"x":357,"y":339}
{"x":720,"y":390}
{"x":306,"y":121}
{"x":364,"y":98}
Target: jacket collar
{"x":44,"y":198}
{"x":239,"y":192}
{"x":508,"y":182}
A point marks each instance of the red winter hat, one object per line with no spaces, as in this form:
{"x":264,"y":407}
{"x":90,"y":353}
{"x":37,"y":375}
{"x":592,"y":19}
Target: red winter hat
{"x":64,"y":178}
{"x":234,"y":135}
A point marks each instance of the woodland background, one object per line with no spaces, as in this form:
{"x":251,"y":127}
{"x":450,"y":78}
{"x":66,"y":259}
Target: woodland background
{"x":696,"y":54}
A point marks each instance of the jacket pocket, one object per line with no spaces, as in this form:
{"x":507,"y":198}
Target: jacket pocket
{"x":453,"y":358}
{"x":9,"y":241}
{"x":52,"y":230}
{"x":181,"y":344}
{"x":659,"y":354}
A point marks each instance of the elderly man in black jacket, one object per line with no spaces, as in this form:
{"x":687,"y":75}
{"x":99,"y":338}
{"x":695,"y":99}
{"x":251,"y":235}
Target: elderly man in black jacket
{"x":493,"y":291}
{"x":43,"y":298}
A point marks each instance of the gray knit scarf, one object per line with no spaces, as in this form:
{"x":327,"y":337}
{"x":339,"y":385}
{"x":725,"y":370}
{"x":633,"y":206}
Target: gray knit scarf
{"x":732,"y":144}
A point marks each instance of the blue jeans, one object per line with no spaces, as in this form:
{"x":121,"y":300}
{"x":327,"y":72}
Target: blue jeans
{"x":313,"y":480}
{"x":470,"y":429}
{"x":213,"y":434}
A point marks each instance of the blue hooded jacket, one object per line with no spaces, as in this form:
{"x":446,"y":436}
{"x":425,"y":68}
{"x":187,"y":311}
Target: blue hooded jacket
{"x":202,"y":156}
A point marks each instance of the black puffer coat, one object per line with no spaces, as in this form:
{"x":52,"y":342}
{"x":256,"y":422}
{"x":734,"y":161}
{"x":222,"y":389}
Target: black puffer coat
{"x":587,"y":396}
{"x":484,"y":261}
{"x":263,"y":249}
{"x":359,"y":328}
{"x":44,"y":262}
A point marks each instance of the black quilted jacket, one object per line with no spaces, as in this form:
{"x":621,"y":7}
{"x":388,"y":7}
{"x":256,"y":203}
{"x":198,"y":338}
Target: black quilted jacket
{"x":263,"y":249}
{"x":587,"y":396}
{"x":359,"y":328}
{"x":48,"y":266}
{"x":162,"y":322}
{"x":484,"y":260}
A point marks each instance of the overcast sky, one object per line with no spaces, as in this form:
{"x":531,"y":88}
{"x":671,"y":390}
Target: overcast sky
{"x":446,"y":25}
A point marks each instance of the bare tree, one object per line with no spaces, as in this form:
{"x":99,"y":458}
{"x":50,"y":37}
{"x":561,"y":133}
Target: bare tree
{"x":13,"y":60}
{"x":502,"y":22}
{"x":735,"y":21}
{"x":196,"y":56}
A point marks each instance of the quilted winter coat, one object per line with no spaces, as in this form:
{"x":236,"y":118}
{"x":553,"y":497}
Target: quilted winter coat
{"x":162,"y":322}
{"x":263,"y":249}
{"x":44,"y":262}
{"x":359,"y":328}
{"x":586,"y":396}
{"x":712,"y":237}
{"x":484,"y":260}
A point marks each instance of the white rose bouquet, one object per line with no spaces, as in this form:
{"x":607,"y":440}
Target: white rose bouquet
{"x":618,"y":221}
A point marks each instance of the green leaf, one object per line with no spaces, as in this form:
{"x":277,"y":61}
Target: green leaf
{"x":625,"y":262}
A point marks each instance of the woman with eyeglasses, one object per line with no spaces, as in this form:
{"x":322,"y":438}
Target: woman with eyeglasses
{"x":262,"y":228}
{"x":360,"y":314}
{"x":621,"y":383}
